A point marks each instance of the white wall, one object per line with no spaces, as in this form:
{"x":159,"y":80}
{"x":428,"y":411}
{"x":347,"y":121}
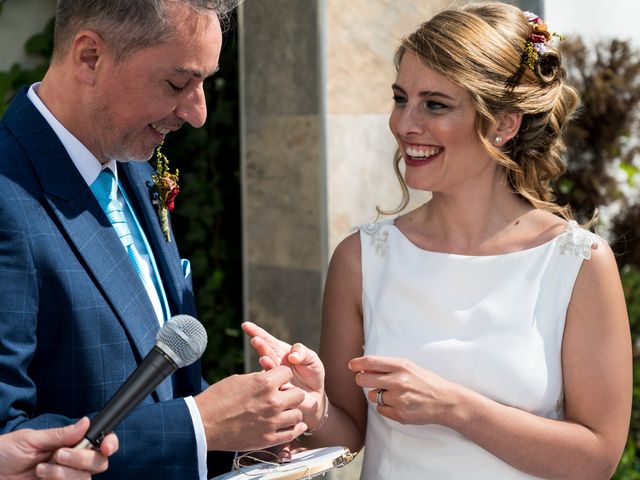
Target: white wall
{"x":595,"y":20}
{"x":19,"y":20}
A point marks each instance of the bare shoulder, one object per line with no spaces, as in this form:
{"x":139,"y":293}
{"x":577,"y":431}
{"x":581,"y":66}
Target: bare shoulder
{"x":349,"y":245}
{"x":601,"y":264}
{"x":347,"y":254}
{"x":597,"y":295}
{"x":545,"y":225}
{"x":343,"y":287}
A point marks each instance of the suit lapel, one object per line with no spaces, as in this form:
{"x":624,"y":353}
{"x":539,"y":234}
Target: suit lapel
{"x":84,"y":224}
{"x":137,"y":181}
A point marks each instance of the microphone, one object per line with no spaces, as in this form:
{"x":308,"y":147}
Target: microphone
{"x":180,"y":342}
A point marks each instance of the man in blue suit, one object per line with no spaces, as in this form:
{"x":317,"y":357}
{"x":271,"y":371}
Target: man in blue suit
{"x":81,"y":302}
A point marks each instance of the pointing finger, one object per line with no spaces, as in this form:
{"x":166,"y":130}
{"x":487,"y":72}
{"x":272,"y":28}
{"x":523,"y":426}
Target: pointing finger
{"x":254,"y":330}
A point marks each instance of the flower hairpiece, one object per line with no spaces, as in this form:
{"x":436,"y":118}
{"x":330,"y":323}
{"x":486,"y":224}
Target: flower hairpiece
{"x":536,"y":45}
{"x":164,"y":191}
{"x":535,"y":48}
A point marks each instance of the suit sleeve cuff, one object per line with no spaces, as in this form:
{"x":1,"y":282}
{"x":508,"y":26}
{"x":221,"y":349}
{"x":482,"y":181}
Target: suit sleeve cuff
{"x":201,"y":440}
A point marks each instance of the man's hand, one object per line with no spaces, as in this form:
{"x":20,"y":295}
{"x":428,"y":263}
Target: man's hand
{"x":252,"y":411}
{"x":23,"y":453}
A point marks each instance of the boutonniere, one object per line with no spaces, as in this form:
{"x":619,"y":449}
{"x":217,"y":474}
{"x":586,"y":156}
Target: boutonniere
{"x":164,"y":191}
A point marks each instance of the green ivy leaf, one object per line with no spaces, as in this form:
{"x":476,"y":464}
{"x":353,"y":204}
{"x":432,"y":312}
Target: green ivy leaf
{"x":630,"y":170}
{"x":566,"y":185}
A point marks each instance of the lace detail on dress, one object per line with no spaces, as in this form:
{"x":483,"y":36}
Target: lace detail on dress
{"x":577,"y":241}
{"x":379,"y":238}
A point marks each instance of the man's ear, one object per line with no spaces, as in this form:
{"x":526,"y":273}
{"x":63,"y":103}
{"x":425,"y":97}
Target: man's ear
{"x":506,"y":127}
{"x":88,"y":52}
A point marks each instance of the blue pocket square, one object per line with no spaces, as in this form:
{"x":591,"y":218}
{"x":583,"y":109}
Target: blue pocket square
{"x":186,"y":267}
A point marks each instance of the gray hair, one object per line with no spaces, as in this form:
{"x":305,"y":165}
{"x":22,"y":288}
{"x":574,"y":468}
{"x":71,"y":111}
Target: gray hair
{"x":126,"y":25}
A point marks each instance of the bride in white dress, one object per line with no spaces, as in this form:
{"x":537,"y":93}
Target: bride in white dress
{"x":487,"y":330}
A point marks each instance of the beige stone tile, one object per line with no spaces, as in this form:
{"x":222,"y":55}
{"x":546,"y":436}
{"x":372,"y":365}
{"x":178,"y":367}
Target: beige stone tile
{"x":280,"y":56}
{"x":283,"y":209}
{"x":361,"y":37}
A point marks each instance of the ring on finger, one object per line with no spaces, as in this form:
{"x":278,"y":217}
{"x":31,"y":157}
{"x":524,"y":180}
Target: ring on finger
{"x":379,"y":399}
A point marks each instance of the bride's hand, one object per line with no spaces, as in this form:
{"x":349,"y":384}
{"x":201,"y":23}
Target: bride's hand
{"x":272,"y":351}
{"x":308,"y":370}
{"x":409,"y":394}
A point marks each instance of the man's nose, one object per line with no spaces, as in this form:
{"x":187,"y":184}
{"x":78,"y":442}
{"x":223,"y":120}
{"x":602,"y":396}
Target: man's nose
{"x":193,"y":108}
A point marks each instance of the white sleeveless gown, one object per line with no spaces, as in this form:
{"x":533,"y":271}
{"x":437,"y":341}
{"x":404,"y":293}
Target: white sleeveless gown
{"x":492,"y":323}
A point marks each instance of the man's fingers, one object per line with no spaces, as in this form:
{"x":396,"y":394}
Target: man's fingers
{"x":292,"y":397}
{"x":288,"y":419}
{"x":53,"y":438}
{"x":267,"y":363}
{"x":81,"y":459}
{"x":50,"y":471}
{"x":289,"y":434}
{"x":109,"y":445}
{"x":278,"y":376}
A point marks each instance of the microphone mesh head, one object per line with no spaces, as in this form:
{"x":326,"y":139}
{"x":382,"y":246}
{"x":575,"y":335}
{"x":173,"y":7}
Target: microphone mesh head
{"x":184,"y":337}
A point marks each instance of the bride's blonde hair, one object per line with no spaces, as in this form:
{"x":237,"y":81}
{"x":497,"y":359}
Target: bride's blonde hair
{"x":481,"y":47}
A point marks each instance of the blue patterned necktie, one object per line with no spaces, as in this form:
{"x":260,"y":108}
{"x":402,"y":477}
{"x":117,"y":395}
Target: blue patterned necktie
{"x":105,"y":190}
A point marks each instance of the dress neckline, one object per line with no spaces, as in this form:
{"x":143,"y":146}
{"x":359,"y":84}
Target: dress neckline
{"x":524,"y":251}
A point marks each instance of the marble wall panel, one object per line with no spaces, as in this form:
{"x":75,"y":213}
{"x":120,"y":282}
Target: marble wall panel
{"x":361,"y":37}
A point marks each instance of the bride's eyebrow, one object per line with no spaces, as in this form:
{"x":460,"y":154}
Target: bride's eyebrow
{"x":434,"y":93}
{"x":424,"y":93}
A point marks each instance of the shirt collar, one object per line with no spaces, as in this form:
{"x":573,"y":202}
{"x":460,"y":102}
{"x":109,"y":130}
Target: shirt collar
{"x":86,"y":163}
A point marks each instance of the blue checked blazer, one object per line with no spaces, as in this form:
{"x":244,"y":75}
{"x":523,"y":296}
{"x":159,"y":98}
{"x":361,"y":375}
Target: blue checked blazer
{"x":75,"y":319}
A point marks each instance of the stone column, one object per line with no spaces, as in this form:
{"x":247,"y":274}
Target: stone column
{"x":284,"y":214}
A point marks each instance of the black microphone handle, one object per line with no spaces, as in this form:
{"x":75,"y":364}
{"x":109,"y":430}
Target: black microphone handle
{"x":147,"y":376}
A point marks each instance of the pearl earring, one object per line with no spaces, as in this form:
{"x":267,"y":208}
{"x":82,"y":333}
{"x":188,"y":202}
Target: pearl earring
{"x":498,"y":140}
